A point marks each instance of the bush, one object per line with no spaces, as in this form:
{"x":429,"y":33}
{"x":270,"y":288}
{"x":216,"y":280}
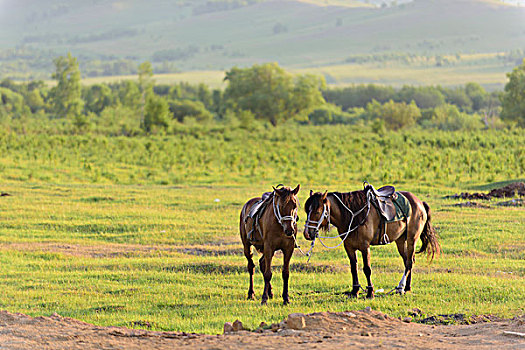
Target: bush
{"x":449,"y":118}
{"x":183,"y":109}
{"x":396,"y":115}
{"x":156,"y":113}
{"x":330,"y":114}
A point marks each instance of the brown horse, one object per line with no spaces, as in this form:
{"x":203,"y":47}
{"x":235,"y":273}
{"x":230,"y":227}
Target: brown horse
{"x":275,"y":229}
{"x":359,"y":225}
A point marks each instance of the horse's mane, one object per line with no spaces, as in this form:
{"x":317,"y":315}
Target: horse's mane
{"x":287,"y":193}
{"x":355,"y":201}
{"x":310,"y":202}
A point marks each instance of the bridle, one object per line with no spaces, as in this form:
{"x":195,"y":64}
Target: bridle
{"x":316,"y":225}
{"x":281,"y":218}
{"x":326,"y":211}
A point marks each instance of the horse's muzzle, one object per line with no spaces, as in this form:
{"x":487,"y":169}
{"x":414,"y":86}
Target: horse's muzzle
{"x":309,"y":234}
{"x":290,"y":231}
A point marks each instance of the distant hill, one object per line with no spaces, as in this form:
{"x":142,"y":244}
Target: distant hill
{"x":111,"y":37}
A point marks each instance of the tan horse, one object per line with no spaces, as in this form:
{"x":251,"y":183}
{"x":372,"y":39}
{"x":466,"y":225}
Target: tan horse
{"x":358,"y":223}
{"x":275,"y":230}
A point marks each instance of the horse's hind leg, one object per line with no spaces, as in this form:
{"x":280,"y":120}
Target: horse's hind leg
{"x":262,"y":267}
{"x":251,"y":268}
{"x":404,"y":284}
{"x":268,"y":255}
{"x":402,"y":249}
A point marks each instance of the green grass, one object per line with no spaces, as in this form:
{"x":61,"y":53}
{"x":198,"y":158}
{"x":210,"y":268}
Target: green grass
{"x":172,"y":257}
{"x":89,"y":234}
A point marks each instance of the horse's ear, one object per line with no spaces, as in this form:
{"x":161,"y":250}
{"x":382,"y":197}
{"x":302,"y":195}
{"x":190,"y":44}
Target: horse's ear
{"x":311,"y":193}
{"x":296,"y":190}
{"x":277,"y":190}
{"x":324,"y":195}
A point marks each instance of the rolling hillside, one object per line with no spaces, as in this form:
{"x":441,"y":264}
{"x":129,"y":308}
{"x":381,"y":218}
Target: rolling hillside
{"x":298,"y":34}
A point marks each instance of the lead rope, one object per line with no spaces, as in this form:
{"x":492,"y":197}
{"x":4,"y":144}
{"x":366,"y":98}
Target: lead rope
{"x":346,"y":234}
{"x":350,"y":229}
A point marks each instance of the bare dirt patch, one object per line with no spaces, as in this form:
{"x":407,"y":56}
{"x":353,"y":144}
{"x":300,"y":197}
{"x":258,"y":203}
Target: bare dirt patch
{"x":470,"y":204}
{"x":356,"y":329}
{"x":511,"y":190}
{"x":110,"y":250}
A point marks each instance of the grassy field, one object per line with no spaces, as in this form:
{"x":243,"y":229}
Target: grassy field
{"x":123,"y":248}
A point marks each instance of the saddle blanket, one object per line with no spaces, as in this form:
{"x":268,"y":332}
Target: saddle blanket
{"x":403,"y":208}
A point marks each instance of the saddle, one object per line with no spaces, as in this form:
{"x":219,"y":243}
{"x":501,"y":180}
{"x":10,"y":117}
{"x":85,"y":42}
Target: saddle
{"x":255,"y":214}
{"x":386,"y":199}
{"x":256,"y":208}
{"x":383,"y":199}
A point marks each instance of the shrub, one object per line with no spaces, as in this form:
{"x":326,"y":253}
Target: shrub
{"x":449,"y":118}
{"x":396,"y":115}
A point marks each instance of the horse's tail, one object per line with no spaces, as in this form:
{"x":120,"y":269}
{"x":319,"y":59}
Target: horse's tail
{"x":429,"y":237}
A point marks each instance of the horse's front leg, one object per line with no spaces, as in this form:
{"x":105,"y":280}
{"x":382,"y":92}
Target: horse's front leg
{"x":351,"y":252}
{"x":286,"y":273}
{"x":268,"y":255}
{"x":368,"y":272}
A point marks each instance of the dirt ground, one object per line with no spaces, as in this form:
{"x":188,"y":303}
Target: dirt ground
{"x":508,"y":191}
{"x":356,"y":329}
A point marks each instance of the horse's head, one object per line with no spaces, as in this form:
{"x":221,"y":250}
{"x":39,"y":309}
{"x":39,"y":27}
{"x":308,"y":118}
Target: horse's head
{"x":317,"y":209}
{"x":285,"y":208}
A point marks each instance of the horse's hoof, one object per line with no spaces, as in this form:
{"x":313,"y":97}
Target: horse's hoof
{"x":370,"y":292}
{"x":264,"y":302}
{"x":270,"y":295}
{"x":286,"y":302}
{"x":400,"y":291}
{"x":250,"y":297}
{"x":352,"y":296}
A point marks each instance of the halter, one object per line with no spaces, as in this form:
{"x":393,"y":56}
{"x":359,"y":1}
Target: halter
{"x":317,"y":224}
{"x":345,"y":235}
{"x":280,"y":218}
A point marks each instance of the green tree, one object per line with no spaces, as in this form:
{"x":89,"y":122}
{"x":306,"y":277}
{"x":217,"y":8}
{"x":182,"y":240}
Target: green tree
{"x":183,"y":109}
{"x":156,"y":113}
{"x":129,"y":94}
{"x":146,"y":83}
{"x":449,"y":118}
{"x":66,"y":96}
{"x":272,"y":94}
{"x":513,"y":100}
{"x":477,"y":95}
{"x":396,"y":115}
{"x":12,"y":104}
{"x":97,"y":97}
{"x":424,"y":96}
{"x":35,"y":101}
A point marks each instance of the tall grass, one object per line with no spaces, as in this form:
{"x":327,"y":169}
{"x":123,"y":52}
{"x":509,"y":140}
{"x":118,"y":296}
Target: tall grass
{"x":330,"y":154}
{"x":89,"y":234}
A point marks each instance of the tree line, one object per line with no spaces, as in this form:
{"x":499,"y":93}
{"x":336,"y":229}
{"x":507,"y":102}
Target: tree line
{"x":256,"y":95}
